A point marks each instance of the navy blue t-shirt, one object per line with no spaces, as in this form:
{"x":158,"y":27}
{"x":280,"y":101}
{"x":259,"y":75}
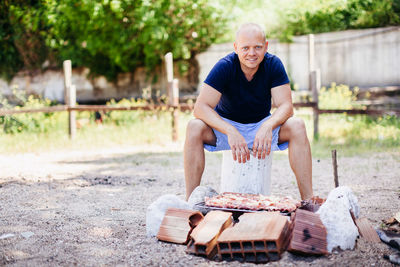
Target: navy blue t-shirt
{"x":242,"y":100}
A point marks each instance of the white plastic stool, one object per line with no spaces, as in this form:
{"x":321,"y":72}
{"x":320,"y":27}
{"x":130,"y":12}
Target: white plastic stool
{"x":252,"y":177}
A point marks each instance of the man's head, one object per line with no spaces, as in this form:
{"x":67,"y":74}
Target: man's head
{"x":250,"y":45}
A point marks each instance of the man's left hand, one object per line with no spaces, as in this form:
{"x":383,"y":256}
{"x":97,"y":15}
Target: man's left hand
{"x":262,"y":141}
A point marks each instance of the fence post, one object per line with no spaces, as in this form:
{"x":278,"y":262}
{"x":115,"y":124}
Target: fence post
{"x":70,"y":97}
{"x":173,"y":95}
{"x":315,"y":83}
{"x":311,"y":53}
{"x":174,"y":102}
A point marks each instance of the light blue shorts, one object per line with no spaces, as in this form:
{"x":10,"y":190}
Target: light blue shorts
{"x":248,"y":131}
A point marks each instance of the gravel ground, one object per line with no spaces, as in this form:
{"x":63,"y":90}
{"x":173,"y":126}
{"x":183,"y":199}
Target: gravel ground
{"x":89,"y":207}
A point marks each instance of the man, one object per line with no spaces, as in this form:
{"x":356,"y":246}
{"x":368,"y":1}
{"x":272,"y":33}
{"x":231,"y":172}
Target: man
{"x":233,"y":112}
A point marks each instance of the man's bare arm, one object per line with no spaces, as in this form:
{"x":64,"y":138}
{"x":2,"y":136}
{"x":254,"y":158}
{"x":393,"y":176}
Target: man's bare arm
{"x":282,"y":99}
{"x":204,"y":110}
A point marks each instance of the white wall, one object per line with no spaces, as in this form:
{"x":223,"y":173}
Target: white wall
{"x":363,"y":58}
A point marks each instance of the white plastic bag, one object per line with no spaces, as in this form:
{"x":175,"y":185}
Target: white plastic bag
{"x":199,"y":193}
{"x":335,"y":215}
{"x":252,"y":177}
{"x":156,"y":211}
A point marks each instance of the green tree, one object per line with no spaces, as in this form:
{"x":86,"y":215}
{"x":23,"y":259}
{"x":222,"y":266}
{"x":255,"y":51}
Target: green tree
{"x":22,"y":36}
{"x":108,"y":36}
{"x":324,"y":16}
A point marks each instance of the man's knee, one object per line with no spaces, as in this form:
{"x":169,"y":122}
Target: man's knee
{"x":297,"y":126}
{"x":197,"y":129}
{"x":293,"y":127}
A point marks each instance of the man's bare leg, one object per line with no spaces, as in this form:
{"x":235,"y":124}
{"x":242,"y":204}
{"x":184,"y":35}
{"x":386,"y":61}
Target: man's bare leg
{"x":294,"y":131}
{"x":197,"y":133}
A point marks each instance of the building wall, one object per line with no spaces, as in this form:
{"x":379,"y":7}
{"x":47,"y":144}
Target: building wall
{"x":50,"y":84}
{"x":363,"y":58}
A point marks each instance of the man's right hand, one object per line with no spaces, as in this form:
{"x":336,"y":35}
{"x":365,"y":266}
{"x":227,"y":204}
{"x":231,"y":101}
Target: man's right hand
{"x":240,"y":151}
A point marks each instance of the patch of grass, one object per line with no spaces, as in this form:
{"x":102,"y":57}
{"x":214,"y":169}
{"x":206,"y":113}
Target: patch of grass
{"x":349,"y":135}
{"x":354,"y":135}
{"x":148,"y":129}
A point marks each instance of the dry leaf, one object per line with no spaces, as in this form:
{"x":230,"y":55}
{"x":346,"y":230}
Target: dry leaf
{"x":397,"y":217}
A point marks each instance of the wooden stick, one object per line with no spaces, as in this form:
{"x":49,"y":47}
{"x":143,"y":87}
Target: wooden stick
{"x":72,"y":113}
{"x":334,"y":162}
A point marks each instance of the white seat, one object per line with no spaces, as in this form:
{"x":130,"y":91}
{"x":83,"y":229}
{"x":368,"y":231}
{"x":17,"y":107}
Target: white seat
{"x":253,"y":177}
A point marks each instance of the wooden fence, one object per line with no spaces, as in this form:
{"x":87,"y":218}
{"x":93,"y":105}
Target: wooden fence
{"x":173,"y":104}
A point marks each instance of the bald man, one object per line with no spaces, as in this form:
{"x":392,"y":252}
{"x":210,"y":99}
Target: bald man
{"x":233,"y":112}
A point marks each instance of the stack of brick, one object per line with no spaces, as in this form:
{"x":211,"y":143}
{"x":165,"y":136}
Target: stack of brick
{"x":177,"y":225}
{"x":308,"y":234}
{"x":257,"y":237}
{"x":204,"y":236}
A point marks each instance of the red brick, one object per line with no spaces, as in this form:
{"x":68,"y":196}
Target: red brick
{"x":204,"y":236}
{"x":177,"y":225}
{"x":308,"y":234}
{"x":257,"y":237}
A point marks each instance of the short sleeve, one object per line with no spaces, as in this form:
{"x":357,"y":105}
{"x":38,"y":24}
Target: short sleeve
{"x":279,"y":75}
{"x":218,"y":76}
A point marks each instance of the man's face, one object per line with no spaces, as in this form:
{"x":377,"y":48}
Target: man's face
{"x":250,"y":45}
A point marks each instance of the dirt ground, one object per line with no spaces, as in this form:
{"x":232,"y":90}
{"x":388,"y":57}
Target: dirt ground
{"x":89,"y":207}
